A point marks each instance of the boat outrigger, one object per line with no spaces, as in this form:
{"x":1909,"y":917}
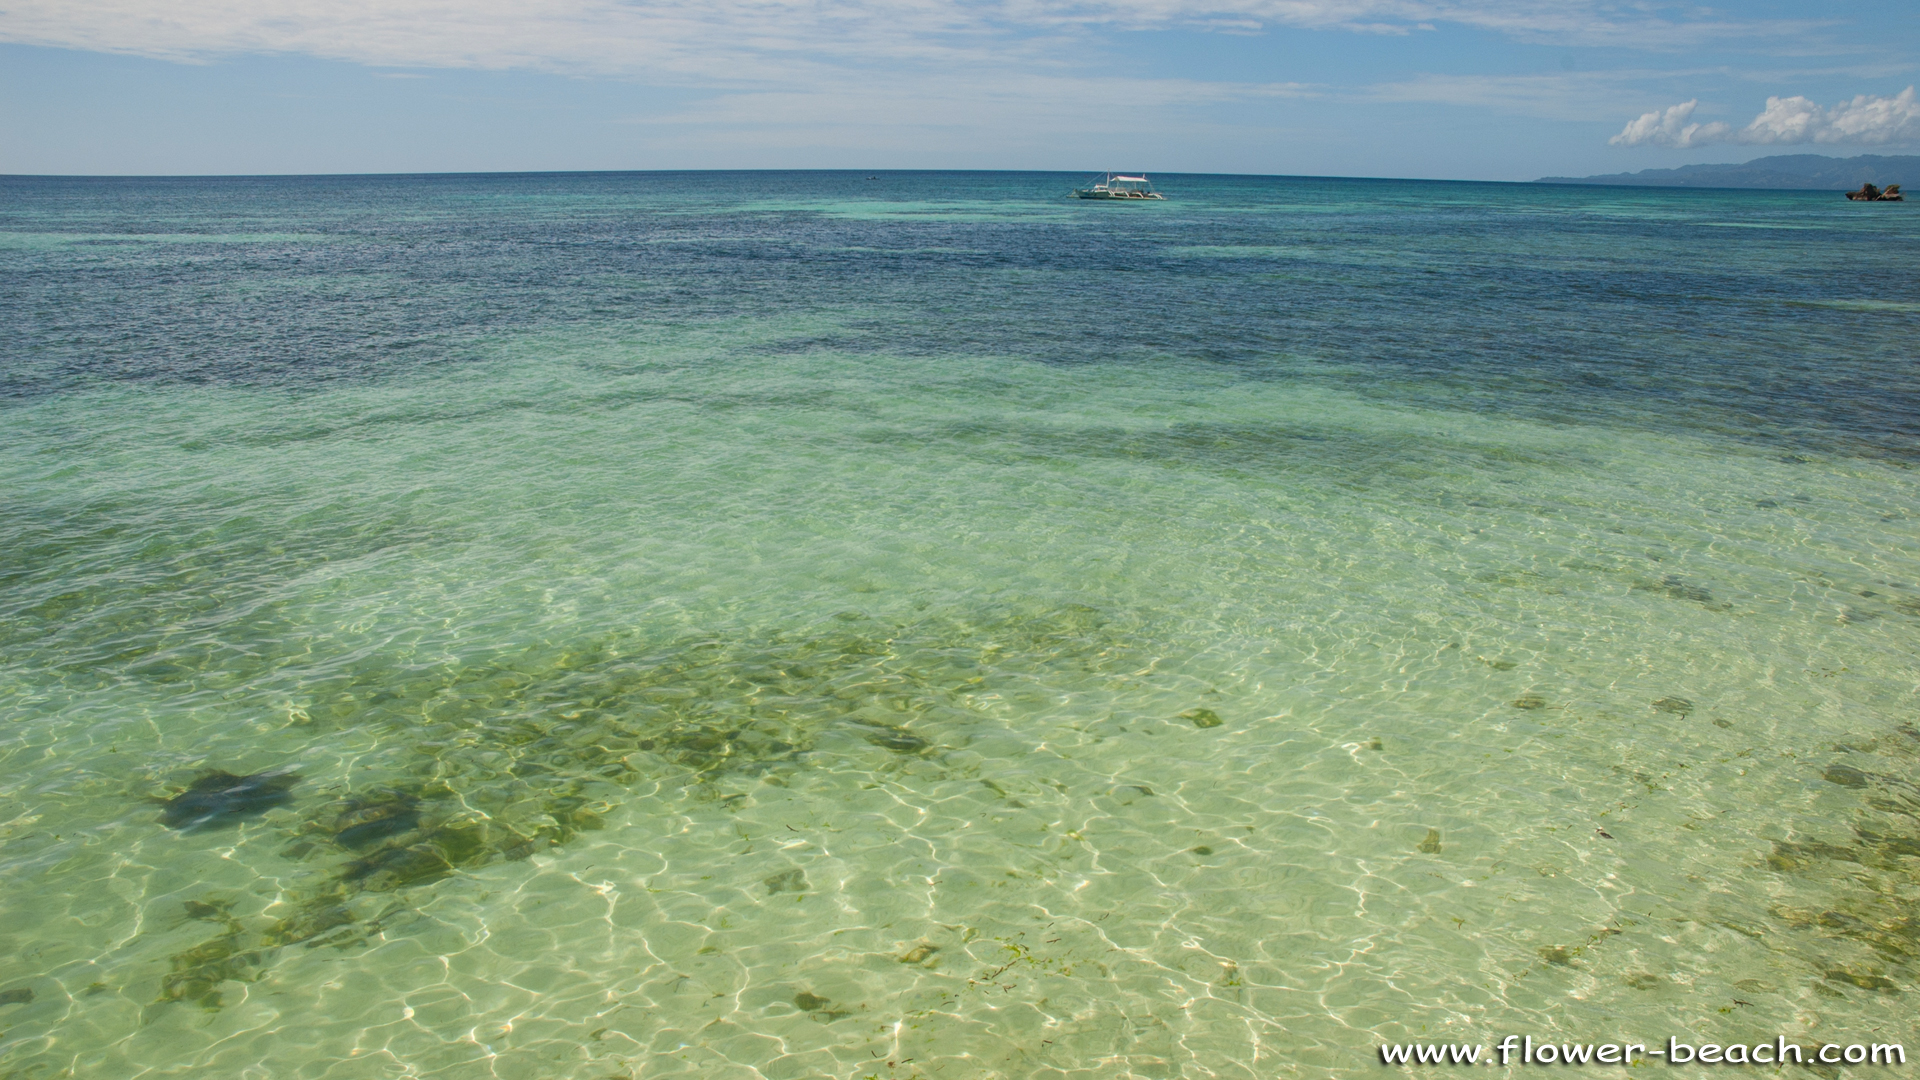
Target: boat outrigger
{"x":1115,"y":186}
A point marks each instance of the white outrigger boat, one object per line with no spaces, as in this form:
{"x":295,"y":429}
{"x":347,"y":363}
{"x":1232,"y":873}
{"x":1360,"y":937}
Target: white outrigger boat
{"x":1115,"y":186}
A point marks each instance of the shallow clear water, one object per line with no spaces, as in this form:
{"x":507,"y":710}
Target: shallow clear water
{"x":802,"y":625}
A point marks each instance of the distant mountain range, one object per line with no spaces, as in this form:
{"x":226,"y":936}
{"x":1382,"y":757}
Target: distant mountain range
{"x":1787,"y":171}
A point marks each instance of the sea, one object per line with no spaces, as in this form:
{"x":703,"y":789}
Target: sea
{"x":924,"y":626}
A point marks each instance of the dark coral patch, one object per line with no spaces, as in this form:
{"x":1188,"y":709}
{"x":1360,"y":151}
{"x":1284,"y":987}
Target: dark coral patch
{"x":794,"y":880}
{"x":397,"y":868}
{"x":374,"y":817}
{"x":197,"y":973}
{"x":1845,"y":776}
{"x":219,"y":798}
{"x":897,"y":739}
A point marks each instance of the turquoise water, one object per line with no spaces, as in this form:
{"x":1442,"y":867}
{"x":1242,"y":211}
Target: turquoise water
{"x":757,"y":625}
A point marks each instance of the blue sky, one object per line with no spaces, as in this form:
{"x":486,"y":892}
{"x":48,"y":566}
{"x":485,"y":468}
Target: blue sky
{"x":1473,"y":89}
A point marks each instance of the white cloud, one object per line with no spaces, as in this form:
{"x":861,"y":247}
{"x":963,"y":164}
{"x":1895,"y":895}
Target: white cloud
{"x":1865,"y":119}
{"x":1672,"y":126}
{"x":736,"y":40}
{"x":1868,"y":118}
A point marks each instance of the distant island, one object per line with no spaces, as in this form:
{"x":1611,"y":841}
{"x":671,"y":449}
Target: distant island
{"x":1799,"y":172}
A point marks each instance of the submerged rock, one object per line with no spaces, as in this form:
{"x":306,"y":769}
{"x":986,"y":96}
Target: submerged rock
{"x":397,"y":867}
{"x":1202,"y":718}
{"x":197,"y":973}
{"x":794,"y":880}
{"x":365,"y":820}
{"x":1845,"y":776}
{"x":1864,"y":982}
{"x":308,"y":924}
{"x":1678,"y":588}
{"x":218,"y":798}
{"x":1800,"y":855}
{"x":209,"y":910}
{"x":818,"y":1007}
{"x":897,"y":739}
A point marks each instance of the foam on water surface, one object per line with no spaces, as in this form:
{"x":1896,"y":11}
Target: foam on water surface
{"x":712,"y":696}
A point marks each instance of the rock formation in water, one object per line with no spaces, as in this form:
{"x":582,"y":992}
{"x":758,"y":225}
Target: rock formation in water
{"x":1869,"y":193}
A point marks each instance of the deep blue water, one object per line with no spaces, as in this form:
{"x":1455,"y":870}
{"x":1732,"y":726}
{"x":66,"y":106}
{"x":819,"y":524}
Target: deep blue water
{"x":1733,"y":311}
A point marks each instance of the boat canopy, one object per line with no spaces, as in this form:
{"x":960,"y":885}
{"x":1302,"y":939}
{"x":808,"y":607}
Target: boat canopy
{"x":1118,"y":186}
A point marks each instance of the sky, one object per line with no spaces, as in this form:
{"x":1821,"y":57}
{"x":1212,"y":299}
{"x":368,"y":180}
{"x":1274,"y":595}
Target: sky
{"x":1445,"y":89}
